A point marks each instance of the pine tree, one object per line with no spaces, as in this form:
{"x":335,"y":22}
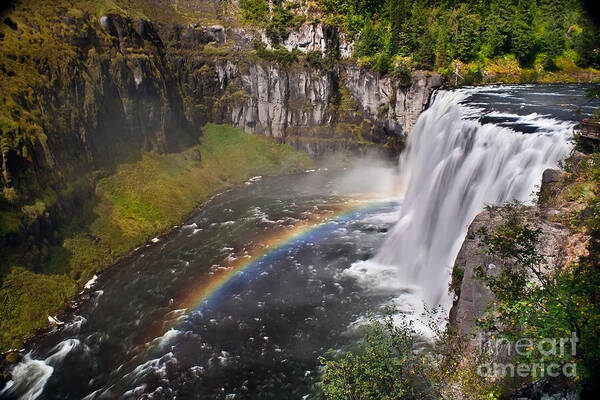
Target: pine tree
{"x":523,"y":39}
{"x":370,"y":42}
{"x":467,"y":37}
{"x":553,"y":44}
{"x":587,"y":46}
{"x":397,"y":13}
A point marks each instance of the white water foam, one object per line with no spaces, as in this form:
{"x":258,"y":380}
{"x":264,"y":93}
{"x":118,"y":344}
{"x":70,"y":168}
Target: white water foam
{"x":60,"y":351}
{"x":75,"y":324}
{"x":90,"y":284}
{"x":30,"y":376}
{"x":452,"y":168}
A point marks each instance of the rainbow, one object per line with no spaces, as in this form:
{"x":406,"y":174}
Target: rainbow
{"x":213,"y":288}
{"x":271,"y":245}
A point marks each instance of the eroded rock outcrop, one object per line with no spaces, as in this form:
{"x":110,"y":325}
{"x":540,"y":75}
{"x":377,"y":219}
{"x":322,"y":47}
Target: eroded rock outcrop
{"x":381,"y":98}
{"x":473,"y":296}
{"x":558,"y":245}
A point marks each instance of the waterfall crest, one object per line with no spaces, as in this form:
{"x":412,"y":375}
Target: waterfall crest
{"x":452,"y":168}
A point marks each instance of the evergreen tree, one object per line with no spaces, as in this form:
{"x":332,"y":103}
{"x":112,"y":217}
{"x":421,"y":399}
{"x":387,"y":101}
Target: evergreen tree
{"x":587,"y":45}
{"x":435,"y":32}
{"x":416,"y":25}
{"x":370,"y":42}
{"x":424,"y":56}
{"x":495,"y":37}
{"x":523,"y":39}
{"x":553,"y":44}
{"x":397,"y":15}
{"x":442,"y":37}
{"x":467,"y":36}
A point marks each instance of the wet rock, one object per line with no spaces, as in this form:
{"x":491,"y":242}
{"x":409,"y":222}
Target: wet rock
{"x":549,"y":187}
{"x":547,"y":389}
{"x":144,"y":29}
{"x":7,"y":360}
{"x":551,"y":176}
{"x":216,"y":33}
{"x":107,"y":23}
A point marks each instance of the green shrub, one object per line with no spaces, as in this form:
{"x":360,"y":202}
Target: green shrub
{"x":534,"y":300}
{"x":550,"y":65}
{"x":315,"y":59}
{"x":281,"y":20}
{"x":402,"y":72}
{"x":371,"y":41}
{"x":380,"y":62}
{"x":255,"y":10}
{"x":473,"y":76}
{"x":392,"y":361}
{"x":385,"y":366}
{"x":278,"y":54}
{"x":528,"y":76}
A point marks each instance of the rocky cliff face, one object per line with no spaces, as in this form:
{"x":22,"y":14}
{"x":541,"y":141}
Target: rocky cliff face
{"x":473,"y":296}
{"x":559,"y":245}
{"x":397,"y":108}
{"x":320,"y":109}
{"x":300,"y":103}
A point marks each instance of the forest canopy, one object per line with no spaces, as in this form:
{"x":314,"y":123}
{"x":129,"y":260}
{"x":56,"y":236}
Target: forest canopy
{"x":434,"y":33}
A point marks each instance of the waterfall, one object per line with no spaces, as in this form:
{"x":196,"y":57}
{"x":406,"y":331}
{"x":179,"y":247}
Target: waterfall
{"x":453,"y":166}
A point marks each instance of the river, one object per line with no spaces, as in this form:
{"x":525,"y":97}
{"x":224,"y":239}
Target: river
{"x":241,"y":300}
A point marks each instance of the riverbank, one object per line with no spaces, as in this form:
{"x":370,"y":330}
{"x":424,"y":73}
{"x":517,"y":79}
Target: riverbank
{"x":267,"y":237}
{"x":136,"y":202}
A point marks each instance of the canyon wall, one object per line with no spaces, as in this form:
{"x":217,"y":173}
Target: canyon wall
{"x":129,"y":87}
{"x":318,"y":108}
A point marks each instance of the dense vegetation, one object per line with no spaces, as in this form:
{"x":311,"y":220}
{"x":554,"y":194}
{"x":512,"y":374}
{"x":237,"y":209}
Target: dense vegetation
{"x":395,"y":361}
{"x":467,"y":41}
{"x":546,"y":34}
{"x":534,"y":300}
{"x":385,"y":367}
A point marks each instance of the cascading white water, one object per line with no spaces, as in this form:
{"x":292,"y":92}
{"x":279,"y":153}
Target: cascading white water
{"x":452,"y":168}
{"x":30,"y":376}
